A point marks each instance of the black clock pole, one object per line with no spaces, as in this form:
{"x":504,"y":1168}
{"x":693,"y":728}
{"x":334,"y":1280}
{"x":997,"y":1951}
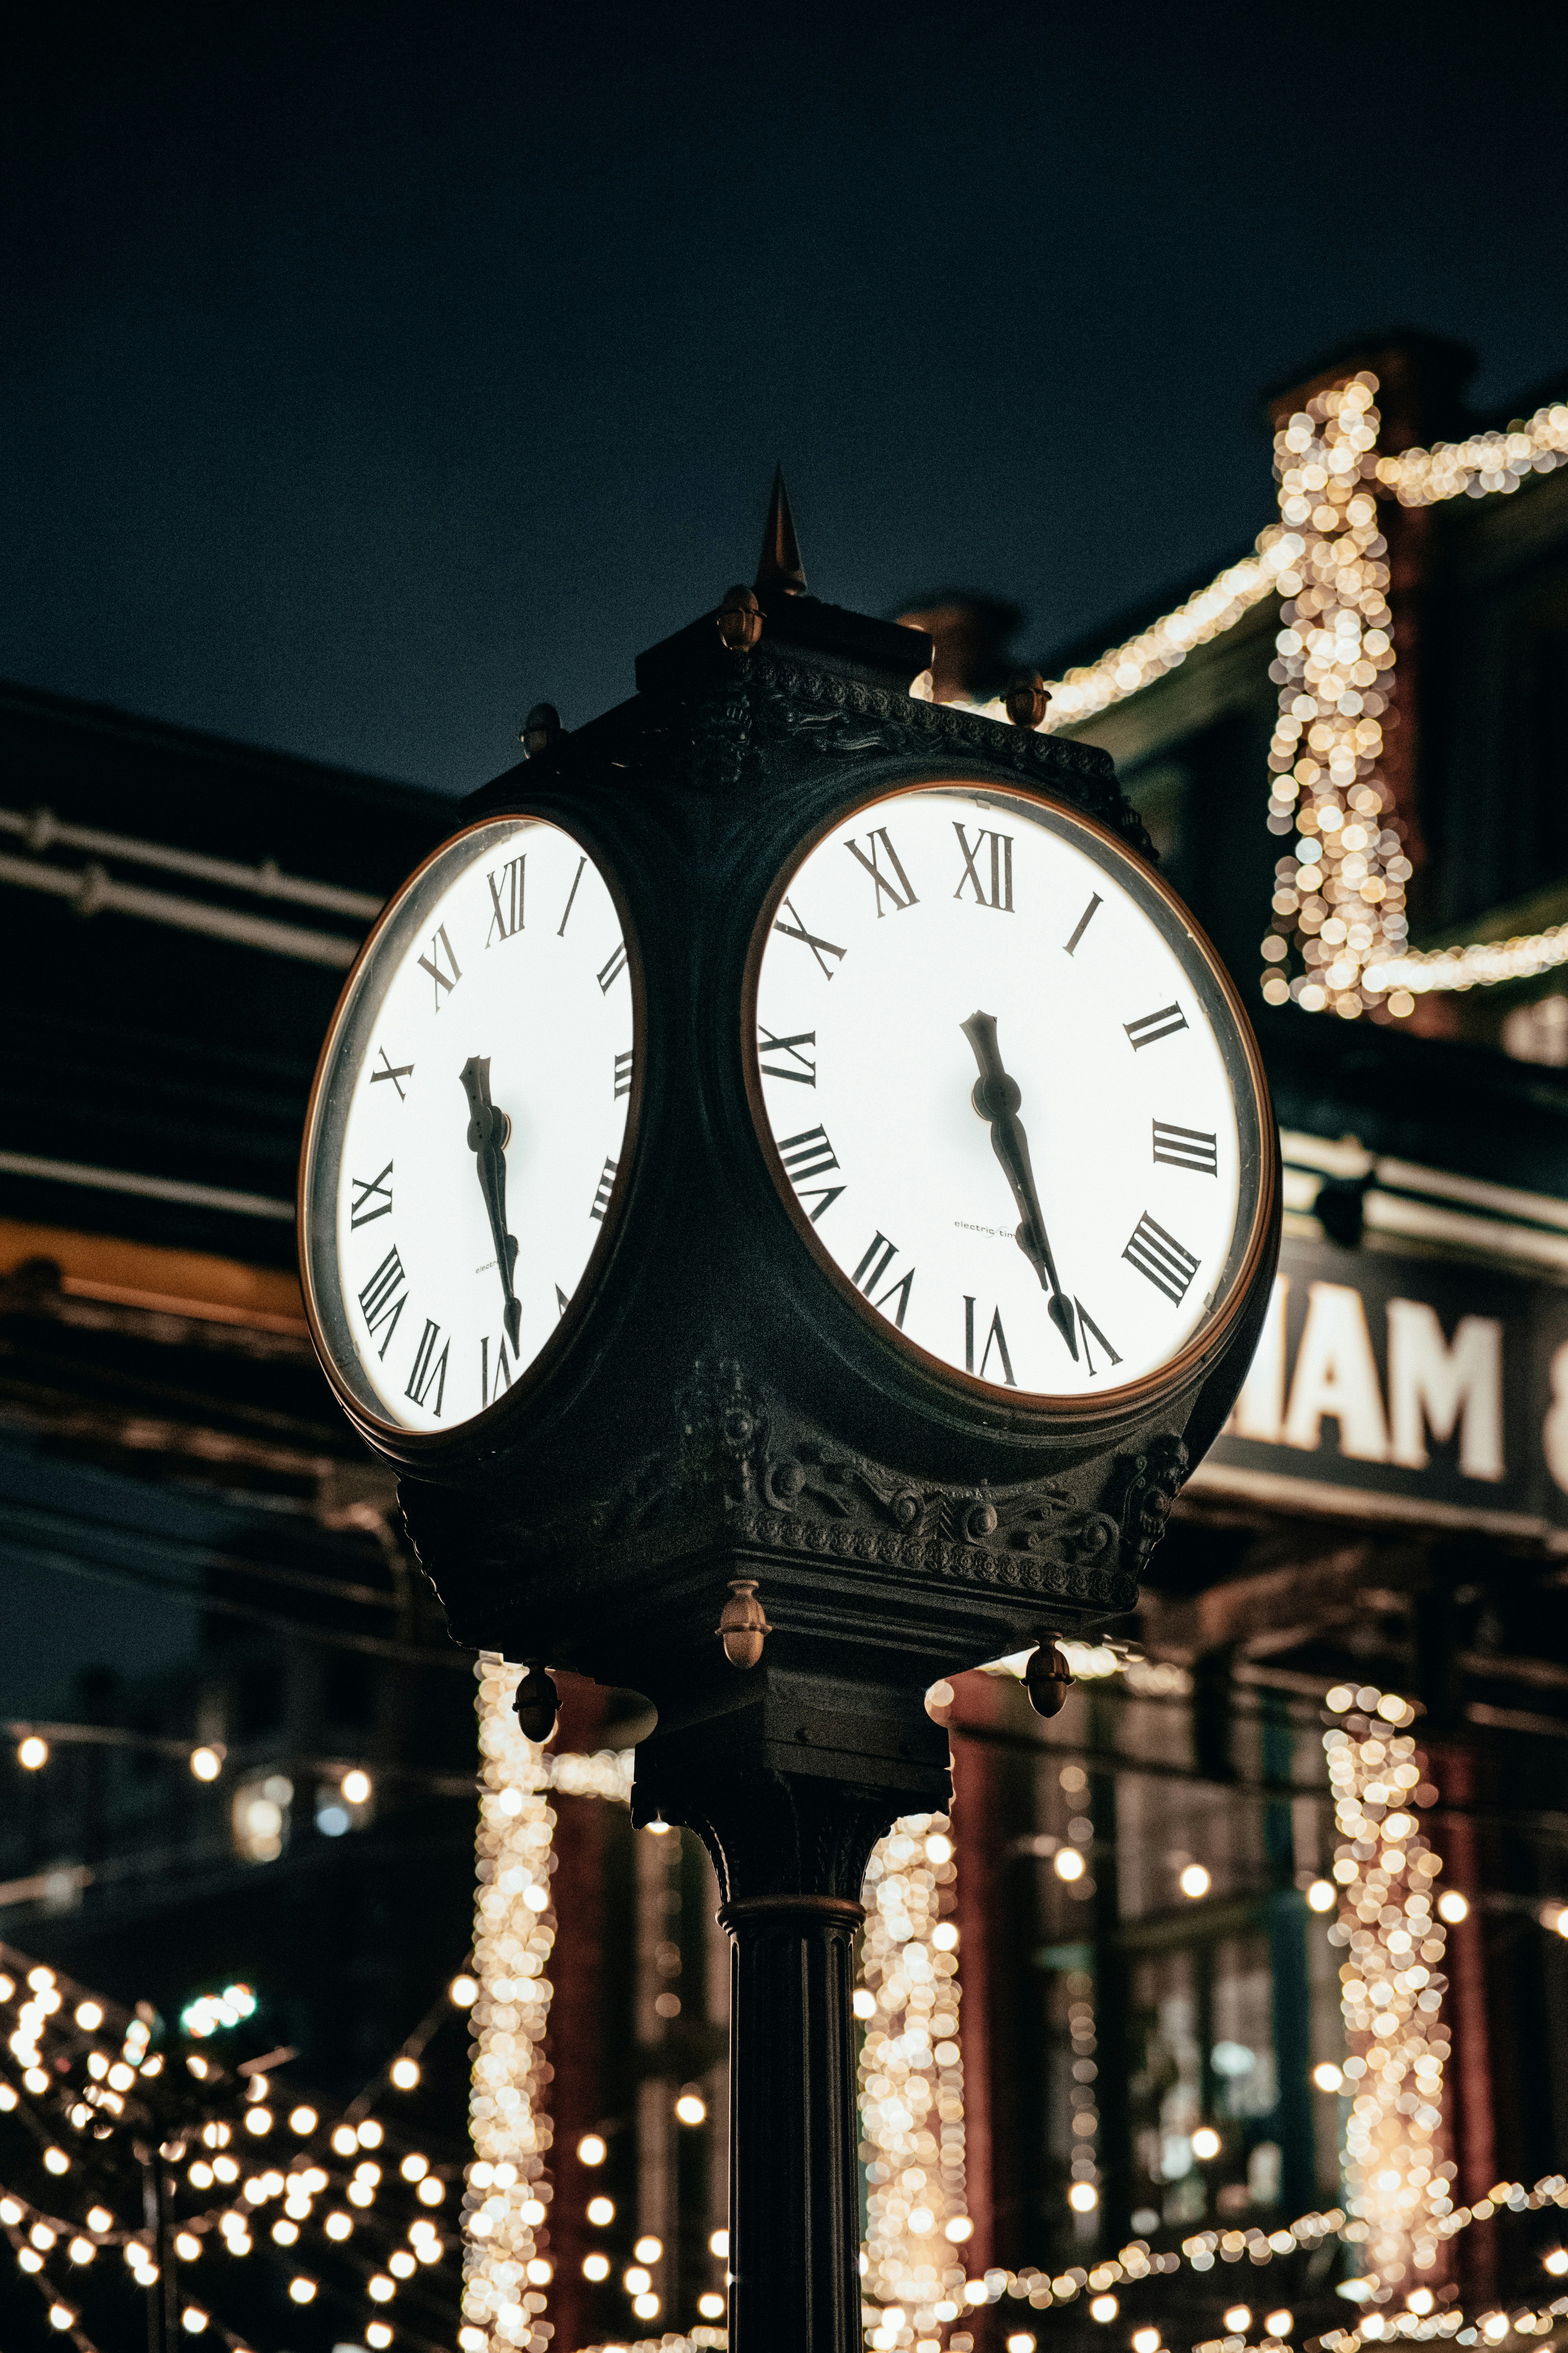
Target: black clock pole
{"x":722,"y":1484}
{"x":789,"y":1790}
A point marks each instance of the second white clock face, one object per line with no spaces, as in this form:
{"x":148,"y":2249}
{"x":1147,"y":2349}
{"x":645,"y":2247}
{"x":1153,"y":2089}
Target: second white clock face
{"x":1002,"y":1087}
{"x":470,"y":1123}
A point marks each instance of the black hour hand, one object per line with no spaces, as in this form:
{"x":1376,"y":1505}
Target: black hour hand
{"x":489,"y":1131}
{"x":996,"y":1097}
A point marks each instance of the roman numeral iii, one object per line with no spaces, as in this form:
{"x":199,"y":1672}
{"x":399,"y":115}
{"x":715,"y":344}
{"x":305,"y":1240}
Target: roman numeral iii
{"x":900,"y":889}
{"x":1149,"y":1027}
{"x":1186,"y":1147}
{"x":624,"y":1073}
{"x":1167,"y":1263}
{"x":995,"y":853}
{"x":369,"y":1190}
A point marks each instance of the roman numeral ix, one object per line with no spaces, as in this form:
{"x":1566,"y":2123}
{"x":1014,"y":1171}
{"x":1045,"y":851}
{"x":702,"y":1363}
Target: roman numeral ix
{"x":383,"y":1300}
{"x":878,"y":1258}
{"x":1000,"y":894}
{"x":806,"y":1156}
{"x":430,"y":1369}
{"x":806,"y":1072}
{"x":900,"y":891}
{"x":366,"y":1190}
{"x":1186,"y":1147}
{"x":1149,"y":1027}
{"x":1168,"y":1264}
{"x":432,"y":964}
{"x":506,"y":899}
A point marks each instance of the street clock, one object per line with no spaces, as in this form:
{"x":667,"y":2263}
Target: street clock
{"x":1008,"y":1095}
{"x":469,"y":1127}
{"x":792,"y":1192}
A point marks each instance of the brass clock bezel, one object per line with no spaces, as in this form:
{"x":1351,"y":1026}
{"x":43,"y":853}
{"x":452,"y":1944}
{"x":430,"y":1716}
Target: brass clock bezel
{"x":353,"y":1008}
{"x":1247,"y":1259}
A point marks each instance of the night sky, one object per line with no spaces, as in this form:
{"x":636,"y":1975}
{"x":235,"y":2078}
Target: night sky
{"x":367,"y":373}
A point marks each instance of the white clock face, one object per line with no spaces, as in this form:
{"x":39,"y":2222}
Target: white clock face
{"x":470,"y":1123}
{"x":1008,"y":1097}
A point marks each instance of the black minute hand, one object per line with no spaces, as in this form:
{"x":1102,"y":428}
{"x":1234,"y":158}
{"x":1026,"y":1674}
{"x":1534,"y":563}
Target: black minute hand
{"x":488,"y":1131}
{"x":996,"y":1097}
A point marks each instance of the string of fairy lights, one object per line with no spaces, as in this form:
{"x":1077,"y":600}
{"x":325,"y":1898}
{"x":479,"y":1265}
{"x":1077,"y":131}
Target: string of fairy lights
{"x":98,"y":2099}
{"x":912,"y":2084}
{"x":1339,"y":897}
{"x":1398,"y":2209}
{"x":1419,"y":2322}
{"x":1338,"y":910}
{"x":92,"y":2086}
{"x":1393,"y":1922}
{"x":505,"y":2268}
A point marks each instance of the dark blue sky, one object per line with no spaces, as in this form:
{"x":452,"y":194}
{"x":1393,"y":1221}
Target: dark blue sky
{"x":368,"y":372}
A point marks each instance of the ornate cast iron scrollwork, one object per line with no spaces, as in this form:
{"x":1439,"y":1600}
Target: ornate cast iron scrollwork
{"x":1154,"y":1478}
{"x":748,"y":1467}
{"x":716,"y":737}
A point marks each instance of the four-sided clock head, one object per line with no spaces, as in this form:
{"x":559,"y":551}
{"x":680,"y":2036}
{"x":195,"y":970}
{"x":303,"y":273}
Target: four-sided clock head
{"x":468,"y":1129}
{"x":1007,"y":1092}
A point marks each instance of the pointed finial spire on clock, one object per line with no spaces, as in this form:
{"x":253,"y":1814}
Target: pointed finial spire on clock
{"x":779,"y":565}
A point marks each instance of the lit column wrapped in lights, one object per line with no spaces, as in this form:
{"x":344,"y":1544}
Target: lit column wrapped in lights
{"x":505,"y":2272}
{"x":911,"y":2088}
{"x":1391,"y":1989}
{"x":1339,"y":899}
